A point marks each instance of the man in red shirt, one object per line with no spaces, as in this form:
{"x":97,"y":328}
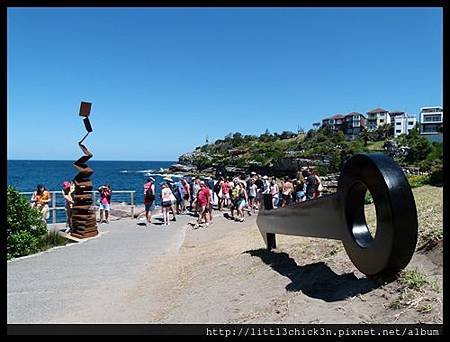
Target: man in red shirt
{"x":225,"y":193}
{"x":203,"y":199}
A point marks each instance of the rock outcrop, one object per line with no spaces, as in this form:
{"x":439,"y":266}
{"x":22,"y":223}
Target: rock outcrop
{"x":182,"y":168}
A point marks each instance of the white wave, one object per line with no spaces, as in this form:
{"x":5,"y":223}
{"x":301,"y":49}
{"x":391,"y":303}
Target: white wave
{"x":163,"y":175}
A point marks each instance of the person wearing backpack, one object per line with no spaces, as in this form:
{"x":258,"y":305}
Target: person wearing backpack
{"x":234,"y":198}
{"x":149,"y":198}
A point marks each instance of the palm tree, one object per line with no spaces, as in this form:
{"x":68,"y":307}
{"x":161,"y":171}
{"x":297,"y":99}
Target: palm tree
{"x":364,"y":135}
{"x":383,"y":131}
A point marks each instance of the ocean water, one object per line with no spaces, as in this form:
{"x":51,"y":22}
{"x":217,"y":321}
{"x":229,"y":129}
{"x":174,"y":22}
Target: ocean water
{"x":24,"y":175}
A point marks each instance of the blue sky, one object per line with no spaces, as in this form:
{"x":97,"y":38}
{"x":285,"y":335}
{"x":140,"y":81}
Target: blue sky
{"x":161,"y":79}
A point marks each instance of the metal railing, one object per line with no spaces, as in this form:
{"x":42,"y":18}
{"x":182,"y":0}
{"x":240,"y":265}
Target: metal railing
{"x":53,"y":203}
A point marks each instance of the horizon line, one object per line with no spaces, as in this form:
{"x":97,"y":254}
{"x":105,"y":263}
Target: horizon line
{"x":71,"y":160}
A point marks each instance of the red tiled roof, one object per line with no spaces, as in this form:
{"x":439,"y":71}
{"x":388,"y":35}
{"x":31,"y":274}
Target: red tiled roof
{"x":353,"y":113}
{"x":396,"y":112}
{"x":377,"y":110}
{"x":337,"y":116}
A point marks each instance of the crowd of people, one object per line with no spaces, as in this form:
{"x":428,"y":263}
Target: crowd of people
{"x":240,"y":195}
{"x":198,"y":196}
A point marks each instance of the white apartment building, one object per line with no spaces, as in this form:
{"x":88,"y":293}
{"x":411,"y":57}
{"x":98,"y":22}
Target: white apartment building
{"x":431,"y":119}
{"x":403,"y":124}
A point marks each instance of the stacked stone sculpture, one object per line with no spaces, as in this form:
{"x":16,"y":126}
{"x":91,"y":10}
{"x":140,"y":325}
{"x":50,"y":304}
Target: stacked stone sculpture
{"x":83,"y":213}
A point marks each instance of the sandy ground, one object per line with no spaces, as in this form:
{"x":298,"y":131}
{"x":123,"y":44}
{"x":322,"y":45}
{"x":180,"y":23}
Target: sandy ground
{"x":223,"y":274}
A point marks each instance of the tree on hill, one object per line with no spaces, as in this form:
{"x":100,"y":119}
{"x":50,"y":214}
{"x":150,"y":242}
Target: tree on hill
{"x":287,"y":135}
{"x":419,"y":146}
{"x":383,"y":132}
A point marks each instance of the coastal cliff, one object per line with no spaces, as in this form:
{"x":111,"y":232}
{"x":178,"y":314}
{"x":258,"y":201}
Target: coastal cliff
{"x":322,"y":149}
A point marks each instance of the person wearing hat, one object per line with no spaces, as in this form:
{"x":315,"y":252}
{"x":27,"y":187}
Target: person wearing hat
{"x":171,"y":185}
{"x":252,"y":192}
{"x":149,"y":198}
{"x":67,"y":194}
{"x":166,"y":202}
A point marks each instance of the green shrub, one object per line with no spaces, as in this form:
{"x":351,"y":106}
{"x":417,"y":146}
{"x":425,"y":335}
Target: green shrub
{"x":25,"y":226}
{"x":436,"y":176}
{"x":416,"y":181}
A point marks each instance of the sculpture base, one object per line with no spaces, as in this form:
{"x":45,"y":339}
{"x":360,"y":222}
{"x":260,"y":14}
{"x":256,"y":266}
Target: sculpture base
{"x":84,"y":235}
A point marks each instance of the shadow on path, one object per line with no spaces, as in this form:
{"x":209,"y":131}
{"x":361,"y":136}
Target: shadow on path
{"x":316,"y":280}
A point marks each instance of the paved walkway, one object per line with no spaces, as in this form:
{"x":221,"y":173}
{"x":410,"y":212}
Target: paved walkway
{"x":90,"y":281}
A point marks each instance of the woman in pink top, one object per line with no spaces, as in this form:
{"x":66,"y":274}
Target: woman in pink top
{"x":105,"y":202}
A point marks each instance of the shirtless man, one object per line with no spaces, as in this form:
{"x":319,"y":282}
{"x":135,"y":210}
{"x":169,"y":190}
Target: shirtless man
{"x":288,"y":189}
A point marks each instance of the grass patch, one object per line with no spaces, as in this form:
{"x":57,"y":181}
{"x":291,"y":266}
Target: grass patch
{"x":413,"y":279}
{"x":52,"y":239}
{"x":375,"y":146}
{"x":403,"y":300}
{"x":435,"y":286}
{"x":425,"y":308}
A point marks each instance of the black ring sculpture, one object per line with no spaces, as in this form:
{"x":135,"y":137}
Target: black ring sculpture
{"x":83,"y":214}
{"x":341,"y":215}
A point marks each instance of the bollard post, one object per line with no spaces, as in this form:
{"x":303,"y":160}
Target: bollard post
{"x":54,"y":207}
{"x":132,"y":204}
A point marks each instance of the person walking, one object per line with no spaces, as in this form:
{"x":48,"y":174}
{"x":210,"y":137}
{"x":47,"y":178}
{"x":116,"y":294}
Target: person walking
{"x":241,"y":201}
{"x":149,"y":198}
{"x":187,"y":194}
{"x":178,"y":192}
{"x":300,"y":188}
{"x":203,"y":201}
{"x":166,"y":202}
{"x":319,"y":187}
{"x":40,"y":200}
{"x":225,"y":194}
{"x":288,"y":189}
{"x":105,"y":203}
{"x":259,"y":191}
{"x":311,"y":181}
{"x":195,"y":189}
{"x":67,"y":194}
{"x":171,"y":185}
{"x":252,"y":192}
{"x":275,"y":192}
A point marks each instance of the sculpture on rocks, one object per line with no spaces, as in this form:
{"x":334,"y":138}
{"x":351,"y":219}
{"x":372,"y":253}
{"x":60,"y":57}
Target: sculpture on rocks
{"x":341,"y":215}
{"x":83,"y":214}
